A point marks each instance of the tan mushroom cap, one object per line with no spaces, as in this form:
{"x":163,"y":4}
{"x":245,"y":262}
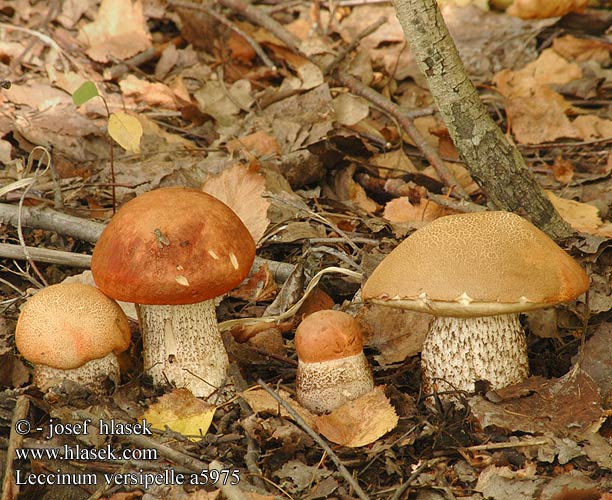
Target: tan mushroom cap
{"x":476,"y":264}
{"x":172,"y":246}
{"x":328,"y":335}
{"x":66,"y":325}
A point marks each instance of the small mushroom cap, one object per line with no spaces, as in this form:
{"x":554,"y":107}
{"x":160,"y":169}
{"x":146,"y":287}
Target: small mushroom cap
{"x":66,"y":325}
{"x":476,"y":264}
{"x":328,"y":335}
{"x":172,"y":246}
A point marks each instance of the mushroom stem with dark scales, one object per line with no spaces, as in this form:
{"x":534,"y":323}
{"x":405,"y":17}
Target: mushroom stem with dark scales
{"x":171,"y":251}
{"x":332,"y":368}
{"x":476,"y":272}
{"x":190,"y":352}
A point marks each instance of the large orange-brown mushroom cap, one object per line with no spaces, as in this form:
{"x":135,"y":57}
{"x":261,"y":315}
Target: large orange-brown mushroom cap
{"x":172,"y":246}
{"x":476,"y":264}
{"x":327,"y":335}
{"x":66,"y":325}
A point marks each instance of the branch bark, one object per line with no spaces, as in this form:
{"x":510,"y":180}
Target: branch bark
{"x":494,"y":163}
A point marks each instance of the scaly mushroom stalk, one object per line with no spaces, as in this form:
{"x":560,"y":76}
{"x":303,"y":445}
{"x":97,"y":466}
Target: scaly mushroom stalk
{"x":91,"y":374}
{"x":459,"y":351}
{"x":332,"y":368}
{"x":476,"y":272}
{"x":182,"y":344}
{"x":172,"y":251}
{"x":326,"y":385}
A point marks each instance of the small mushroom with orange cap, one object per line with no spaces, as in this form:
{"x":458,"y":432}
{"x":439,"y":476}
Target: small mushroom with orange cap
{"x":475,"y":272}
{"x":171,"y":251}
{"x":332,"y":368}
{"x":72,"y":331}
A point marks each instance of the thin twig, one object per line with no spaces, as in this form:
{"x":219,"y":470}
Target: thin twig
{"x":351,"y":46}
{"x":249,"y":39}
{"x":262,"y":19}
{"x":52,"y":220}
{"x":302,"y":423}
{"x":9,"y":489}
{"x":357,"y":87}
{"x":400,"y":491}
{"x":46,"y":255}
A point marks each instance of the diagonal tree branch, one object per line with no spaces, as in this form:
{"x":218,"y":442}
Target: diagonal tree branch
{"x":494,"y":163}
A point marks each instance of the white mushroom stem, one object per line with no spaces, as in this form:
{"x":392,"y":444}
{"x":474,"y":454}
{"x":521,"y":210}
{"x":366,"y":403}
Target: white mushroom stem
{"x":461,"y":351}
{"x":323,"y":386}
{"x":90,"y":375}
{"x":182,"y":346}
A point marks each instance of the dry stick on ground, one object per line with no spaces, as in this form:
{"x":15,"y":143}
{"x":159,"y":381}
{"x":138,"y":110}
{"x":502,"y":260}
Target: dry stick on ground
{"x":260,"y":18}
{"x":300,"y":421}
{"x":86,"y":230}
{"x":358,"y":88}
{"x":48,"y":256}
{"x":9,"y":488}
{"x":497,"y":166}
{"x":251,"y":457}
{"x":351,"y":46}
{"x":247,"y":38}
{"x":51,"y":220}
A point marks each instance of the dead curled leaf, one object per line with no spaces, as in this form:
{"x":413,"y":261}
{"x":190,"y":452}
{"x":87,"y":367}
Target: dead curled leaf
{"x":182,"y":412}
{"x":242,"y":190}
{"x":541,"y":9}
{"x":361,"y":421}
{"x":119,"y":31}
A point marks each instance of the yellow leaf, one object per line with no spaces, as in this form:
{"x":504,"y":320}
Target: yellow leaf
{"x":182,"y":412}
{"x":126,"y":130}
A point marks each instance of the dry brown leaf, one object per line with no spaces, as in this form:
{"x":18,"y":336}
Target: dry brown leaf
{"x":393,"y":162}
{"x":259,"y":287}
{"x":541,"y":9}
{"x":581,"y":216}
{"x":582,"y":49}
{"x":539,"y":118}
{"x":350,"y":109}
{"x":118,"y":32}
{"x":396,"y":334}
{"x":401,"y":210}
{"x":316,"y":300}
{"x":548,"y":68}
{"x":261,"y":401}
{"x":361,"y":421}
{"x":258,"y":144}
{"x":571,"y":403}
{"x":563,"y":170}
{"x":242,"y":190}
{"x":592,"y":127}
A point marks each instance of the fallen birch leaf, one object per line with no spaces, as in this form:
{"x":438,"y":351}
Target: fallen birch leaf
{"x":126,"y":130}
{"x":581,"y":216}
{"x":541,"y":9}
{"x":118,"y":32}
{"x":261,"y":401}
{"x":359,"y":422}
{"x":242,"y":190}
{"x":182,"y":412}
